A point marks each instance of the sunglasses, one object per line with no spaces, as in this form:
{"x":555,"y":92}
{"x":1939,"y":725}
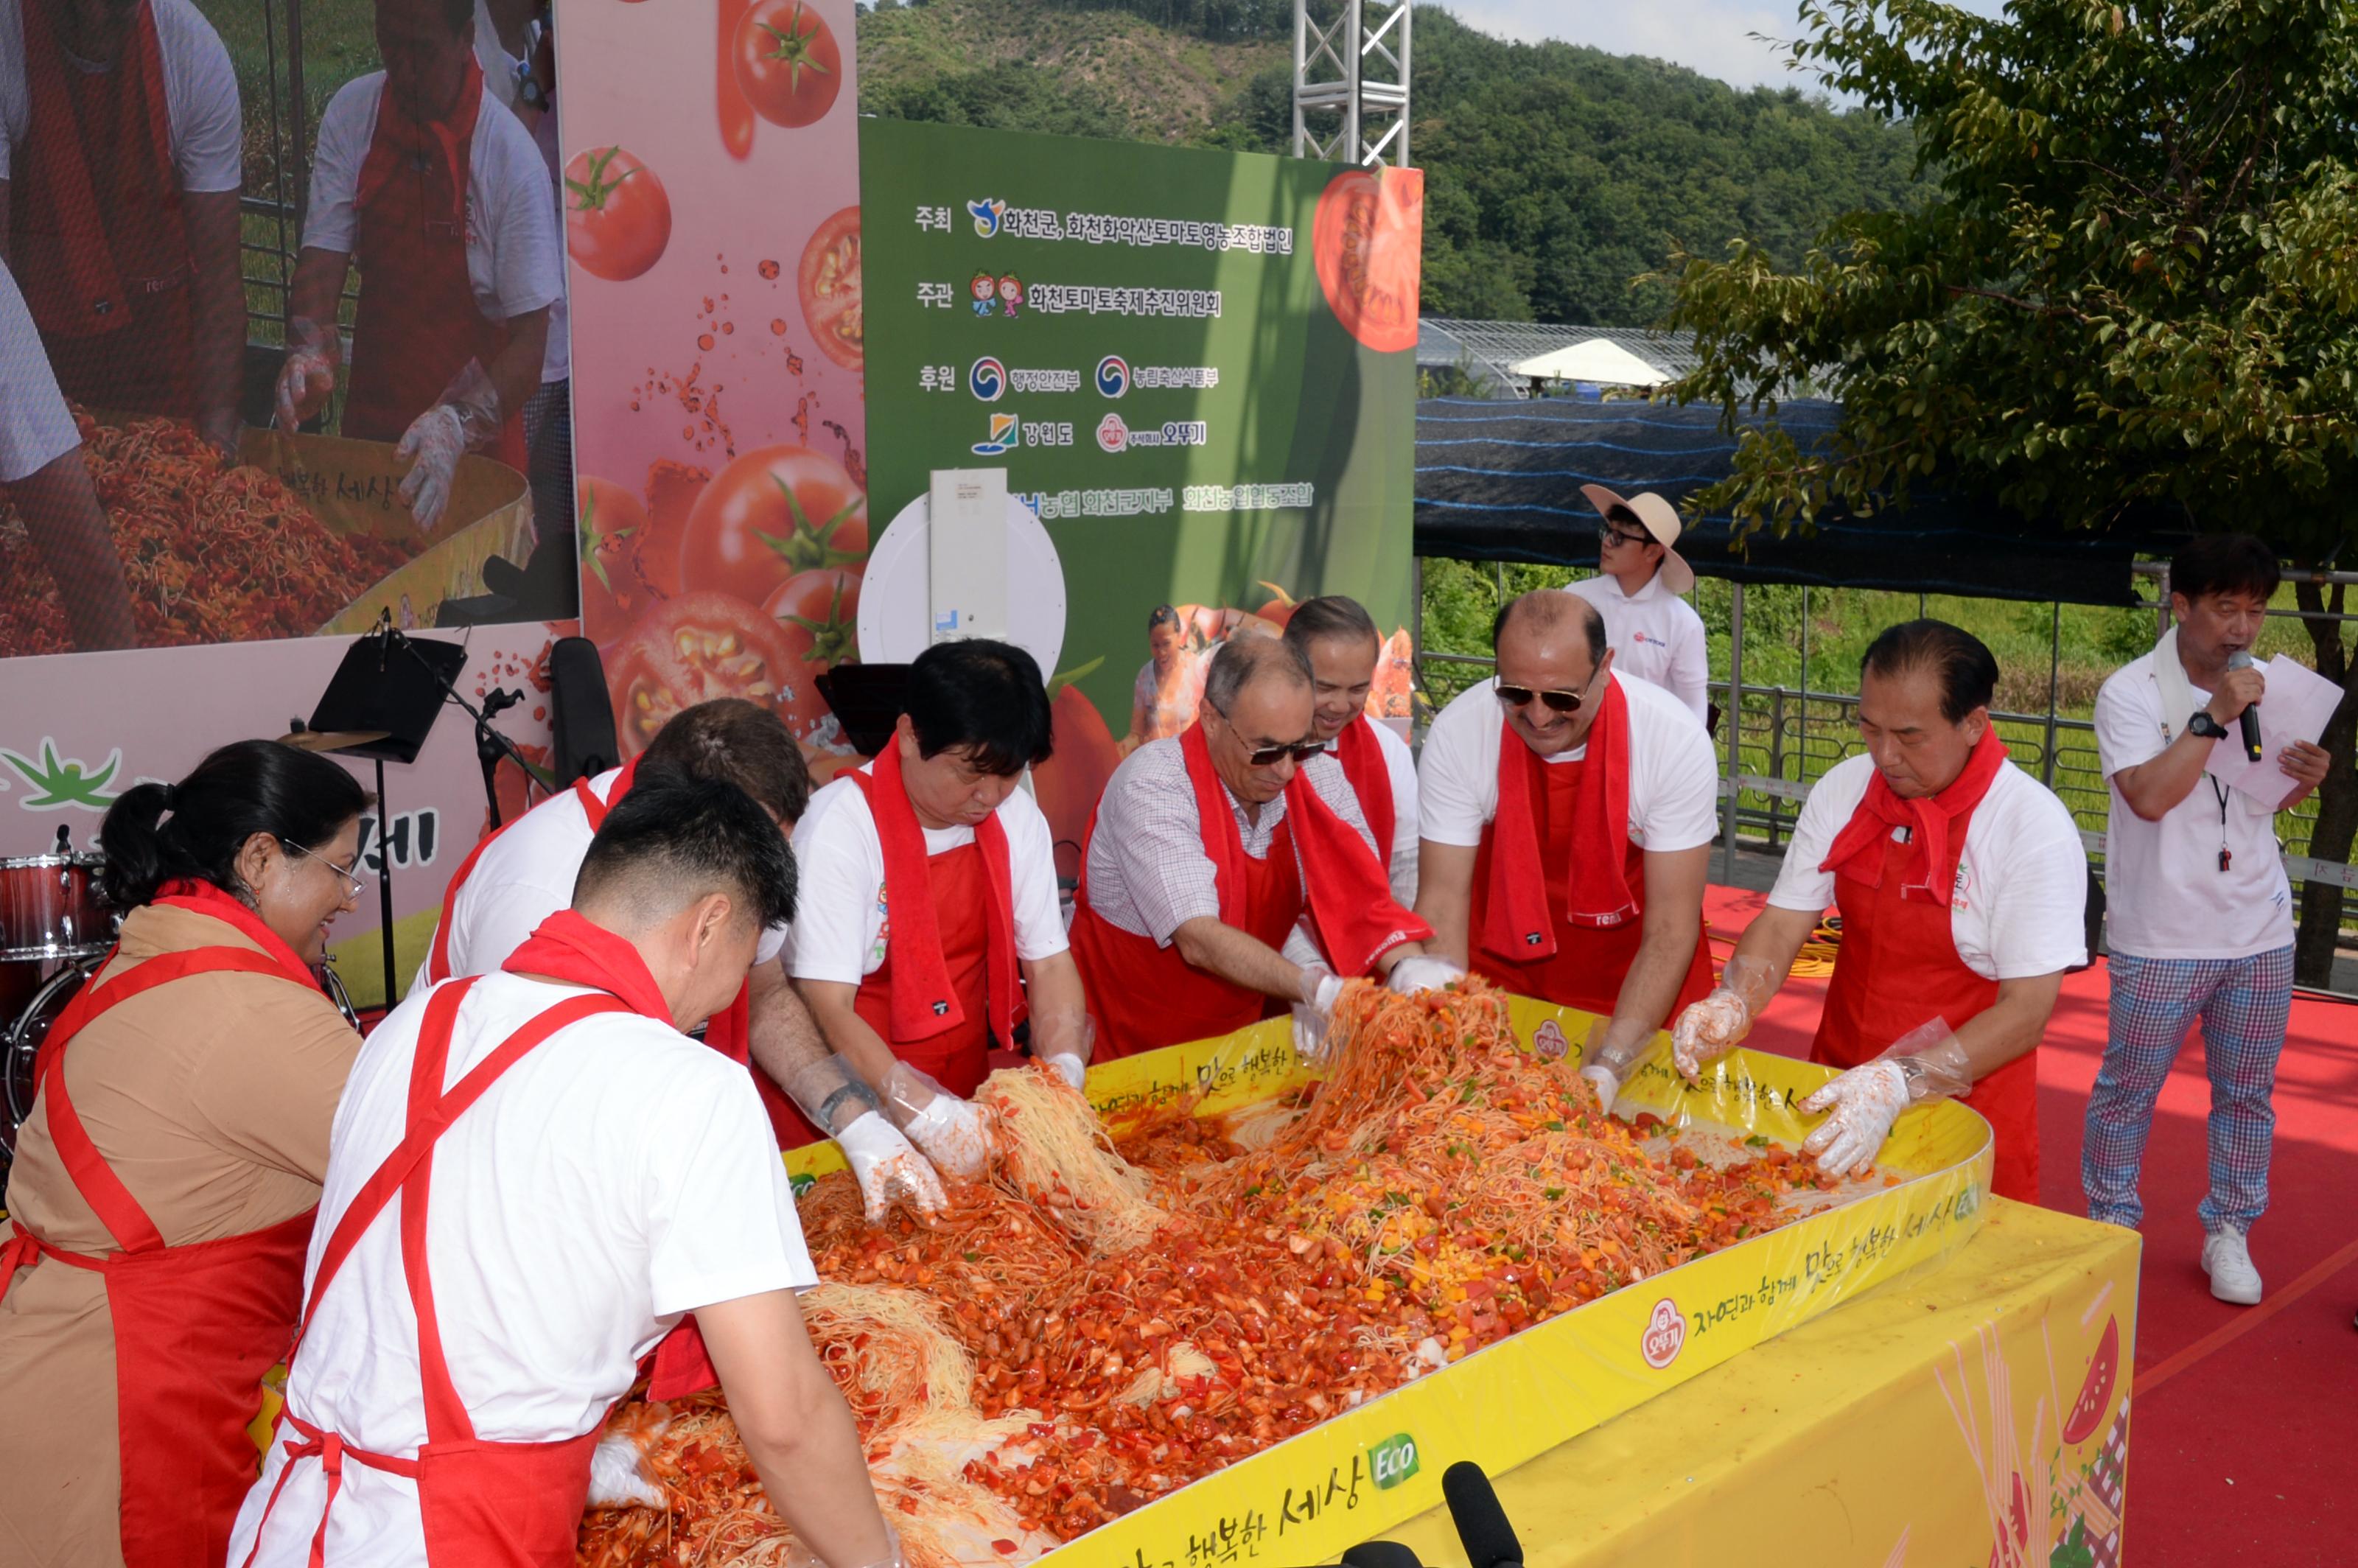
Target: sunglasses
{"x":351,"y":881}
{"x":1558,"y":701}
{"x":1267,"y":756}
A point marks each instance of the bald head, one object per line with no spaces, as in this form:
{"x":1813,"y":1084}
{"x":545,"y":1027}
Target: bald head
{"x":1243,"y":664}
{"x":1550,"y":614}
{"x":1550,"y":641}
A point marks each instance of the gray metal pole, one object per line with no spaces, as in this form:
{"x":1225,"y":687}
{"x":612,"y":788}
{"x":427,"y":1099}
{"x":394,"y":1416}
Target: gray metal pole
{"x":1735,"y":727}
{"x":1408,"y":14}
{"x":1301,"y":55}
{"x":2054,"y":676}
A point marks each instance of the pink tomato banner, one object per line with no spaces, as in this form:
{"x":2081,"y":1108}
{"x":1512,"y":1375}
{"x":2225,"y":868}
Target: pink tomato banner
{"x":712,"y":232}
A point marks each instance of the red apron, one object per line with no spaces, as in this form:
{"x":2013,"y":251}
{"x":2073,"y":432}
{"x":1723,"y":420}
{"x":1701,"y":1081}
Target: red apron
{"x":1589,"y":962}
{"x":484,"y":1503}
{"x":418,"y":323}
{"x":1899,"y":970}
{"x":1362,"y":758}
{"x":196,"y":1325}
{"x":1146,"y":996}
{"x":101,"y":248}
{"x":957,"y":1059}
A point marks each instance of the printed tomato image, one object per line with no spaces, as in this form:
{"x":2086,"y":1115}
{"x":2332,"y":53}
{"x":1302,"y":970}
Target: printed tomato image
{"x":771,"y":514}
{"x":1278,"y":610}
{"x":617,"y":214}
{"x":818,"y":611}
{"x":1393,"y":692}
{"x":787,"y":63}
{"x":1366,"y":244}
{"x":673,"y":490}
{"x":1068,"y":784}
{"x":609,"y":525}
{"x":829,"y":284}
{"x":728,"y":98}
{"x":692,"y":649}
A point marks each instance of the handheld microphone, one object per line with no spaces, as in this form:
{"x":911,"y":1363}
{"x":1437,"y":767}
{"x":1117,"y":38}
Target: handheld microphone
{"x":1381,"y":1554}
{"x":1482,"y":1525}
{"x":2241,"y":659}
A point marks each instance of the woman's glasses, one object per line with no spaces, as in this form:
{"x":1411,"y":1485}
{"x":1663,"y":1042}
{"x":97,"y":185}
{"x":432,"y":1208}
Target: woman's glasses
{"x":352,"y":884}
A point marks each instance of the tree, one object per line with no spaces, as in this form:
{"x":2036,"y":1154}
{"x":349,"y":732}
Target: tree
{"x":2126,"y":294}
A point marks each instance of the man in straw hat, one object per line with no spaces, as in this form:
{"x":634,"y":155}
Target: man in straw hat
{"x":1655,"y":635}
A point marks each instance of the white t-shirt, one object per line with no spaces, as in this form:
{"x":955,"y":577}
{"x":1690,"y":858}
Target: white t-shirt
{"x":1655,"y":635}
{"x":2020,"y":902}
{"x":199,"y":95}
{"x":618,"y":1176}
{"x":1673,"y":780}
{"x":36,"y":427}
{"x":500,"y":82}
{"x":1399,"y":769}
{"x":512,"y":256}
{"x":2165,"y":896}
{"x":526,"y":875}
{"x":841,"y":925}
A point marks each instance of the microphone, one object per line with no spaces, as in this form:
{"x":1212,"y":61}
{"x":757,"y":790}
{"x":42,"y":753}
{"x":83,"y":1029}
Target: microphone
{"x":1482,"y":1525}
{"x":2241,"y":659}
{"x":1381,"y":1554}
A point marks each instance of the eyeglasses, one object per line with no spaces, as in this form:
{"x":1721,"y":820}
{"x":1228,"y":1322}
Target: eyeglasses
{"x":1301,"y":752}
{"x":1557,"y":701}
{"x":1609,"y":536}
{"x":352,"y":884}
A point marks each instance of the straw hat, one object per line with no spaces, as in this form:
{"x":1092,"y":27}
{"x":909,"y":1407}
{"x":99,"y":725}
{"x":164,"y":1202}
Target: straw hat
{"x":1658,"y":518}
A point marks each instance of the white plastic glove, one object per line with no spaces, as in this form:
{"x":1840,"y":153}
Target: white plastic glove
{"x":1067,"y":1044}
{"x":1927,"y":1061}
{"x":306,"y":377}
{"x":955,"y":1133}
{"x":1413,"y":976}
{"x":1313,"y":1016}
{"x":617,"y":1476}
{"x":1611,"y":1053}
{"x":892,"y":1558}
{"x":1075,"y":1071}
{"x":432,"y":447}
{"x":1719,"y":1023}
{"x":888,"y":1170}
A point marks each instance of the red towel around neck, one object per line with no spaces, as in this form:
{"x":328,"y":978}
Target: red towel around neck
{"x":567,"y":947}
{"x":1517,"y":924}
{"x":1931,"y":871}
{"x":924,"y":1004}
{"x":1350,"y":899}
{"x":1362,"y":756}
{"x":444,"y":144}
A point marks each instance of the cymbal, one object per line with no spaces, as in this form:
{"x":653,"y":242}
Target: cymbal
{"x":332,"y":740}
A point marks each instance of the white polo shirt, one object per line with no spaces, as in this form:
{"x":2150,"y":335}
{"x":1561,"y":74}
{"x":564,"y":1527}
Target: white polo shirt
{"x":513,"y":259}
{"x":526,"y":875}
{"x":2020,"y":901}
{"x":1655,"y":635}
{"x":201,"y":104}
{"x":1673,"y":780}
{"x":842,"y":926}
{"x":36,"y":427}
{"x":2165,"y":896}
{"x":618,"y":1176}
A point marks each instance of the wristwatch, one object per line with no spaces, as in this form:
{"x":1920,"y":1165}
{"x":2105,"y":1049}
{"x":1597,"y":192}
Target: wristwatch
{"x":2203,"y":724}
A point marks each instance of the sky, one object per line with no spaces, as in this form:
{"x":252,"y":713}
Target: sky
{"x":1709,"y":36}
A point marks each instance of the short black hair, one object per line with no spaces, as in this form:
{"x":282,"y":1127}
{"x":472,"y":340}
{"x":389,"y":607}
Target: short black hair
{"x":1552,"y":605}
{"x":1962,"y":661}
{"x":984,"y":696}
{"x":675,"y":838}
{"x":2225,"y":562}
{"x":1330,"y":615}
{"x":739,"y":743}
{"x":1162,"y":615}
{"x":192,"y":830}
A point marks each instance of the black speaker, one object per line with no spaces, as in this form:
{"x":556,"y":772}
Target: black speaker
{"x":387,"y":682}
{"x":582,"y":715}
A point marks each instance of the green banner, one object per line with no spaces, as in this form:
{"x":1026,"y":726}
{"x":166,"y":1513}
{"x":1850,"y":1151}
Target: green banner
{"x":1197,"y":367}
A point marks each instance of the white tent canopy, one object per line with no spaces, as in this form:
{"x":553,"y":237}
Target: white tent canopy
{"x":1593,"y":359}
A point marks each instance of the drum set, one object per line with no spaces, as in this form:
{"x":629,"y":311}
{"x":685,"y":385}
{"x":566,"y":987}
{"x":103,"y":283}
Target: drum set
{"x":55,"y":932}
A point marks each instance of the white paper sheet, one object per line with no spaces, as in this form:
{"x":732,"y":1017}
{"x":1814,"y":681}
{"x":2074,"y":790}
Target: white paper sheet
{"x":2299,"y":706}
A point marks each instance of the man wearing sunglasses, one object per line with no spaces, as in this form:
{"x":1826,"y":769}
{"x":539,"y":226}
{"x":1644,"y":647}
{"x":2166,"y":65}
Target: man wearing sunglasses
{"x":1566,"y":817}
{"x":1208,"y":846}
{"x":1655,"y":635}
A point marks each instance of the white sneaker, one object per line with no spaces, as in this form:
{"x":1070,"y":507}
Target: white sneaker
{"x":2228,"y":1261}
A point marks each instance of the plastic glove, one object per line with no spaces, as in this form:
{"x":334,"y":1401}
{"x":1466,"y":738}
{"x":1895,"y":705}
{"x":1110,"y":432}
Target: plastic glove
{"x":307,"y":378}
{"x":617,"y":1478}
{"x":1614,"y":1048}
{"x":954,"y":1133}
{"x":888,"y":1170}
{"x":1067,"y":1044}
{"x":432,"y":447}
{"x":893,"y":1557}
{"x":1313,"y":1017}
{"x":1719,"y":1023}
{"x":1075,"y":1070}
{"x":1425,"y":972}
{"x":1928,"y":1060}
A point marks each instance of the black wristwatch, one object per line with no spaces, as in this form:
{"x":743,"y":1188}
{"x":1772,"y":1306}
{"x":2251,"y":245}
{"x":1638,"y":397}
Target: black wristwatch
{"x":2203,"y":724}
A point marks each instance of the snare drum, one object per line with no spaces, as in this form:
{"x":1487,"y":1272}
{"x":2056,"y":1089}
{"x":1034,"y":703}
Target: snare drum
{"x":20,"y":1045}
{"x":50,"y":908}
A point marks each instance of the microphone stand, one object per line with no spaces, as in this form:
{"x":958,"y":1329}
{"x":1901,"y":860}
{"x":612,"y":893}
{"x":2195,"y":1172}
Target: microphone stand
{"x":490,"y":744}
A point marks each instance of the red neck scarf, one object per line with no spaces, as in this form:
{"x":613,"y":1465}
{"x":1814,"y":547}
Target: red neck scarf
{"x":1930,"y":873}
{"x":1517,"y":924}
{"x":402,"y":143}
{"x":203,"y":898}
{"x":1362,"y":756}
{"x":924,"y":1005}
{"x":1350,"y":899}
{"x":596,"y":810}
{"x":568,"y":947}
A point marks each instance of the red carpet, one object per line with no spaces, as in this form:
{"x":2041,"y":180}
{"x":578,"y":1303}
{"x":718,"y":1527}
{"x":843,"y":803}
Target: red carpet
{"x":2244,"y":1431}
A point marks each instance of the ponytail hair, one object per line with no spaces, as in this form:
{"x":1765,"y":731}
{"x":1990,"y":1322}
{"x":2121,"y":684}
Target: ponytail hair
{"x":192,"y":830}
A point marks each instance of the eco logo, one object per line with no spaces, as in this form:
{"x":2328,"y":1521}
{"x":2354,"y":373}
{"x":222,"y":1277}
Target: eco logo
{"x":1665,"y":1336}
{"x":64,"y":782}
{"x":1004,"y":430}
{"x":987,"y":380}
{"x":1394,"y":1460}
{"x":986,"y":214}
{"x":1113,"y":375}
{"x":1113,"y":436}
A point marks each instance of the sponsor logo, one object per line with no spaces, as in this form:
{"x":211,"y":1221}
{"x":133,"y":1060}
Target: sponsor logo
{"x":1665,"y":1336}
{"x":1113,"y":436}
{"x":986,"y":379}
{"x":986,"y":214}
{"x":1004,"y":429}
{"x":1113,"y":375}
{"x":1549,"y":1045}
{"x":1394,"y":1460}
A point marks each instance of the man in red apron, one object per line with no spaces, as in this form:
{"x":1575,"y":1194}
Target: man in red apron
{"x":1961,"y":885}
{"x":1205,"y":852}
{"x":118,"y":204}
{"x":438,"y":191}
{"x":929,"y":927}
{"x":533,"y":1173}
{"x":1340,"y":640}
{"x":1567,"y":817}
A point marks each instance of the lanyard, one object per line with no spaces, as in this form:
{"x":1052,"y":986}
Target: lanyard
{"x":2226,"y":856}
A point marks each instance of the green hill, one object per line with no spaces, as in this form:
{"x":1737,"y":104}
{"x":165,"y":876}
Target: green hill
{"x":1554,"y":173}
